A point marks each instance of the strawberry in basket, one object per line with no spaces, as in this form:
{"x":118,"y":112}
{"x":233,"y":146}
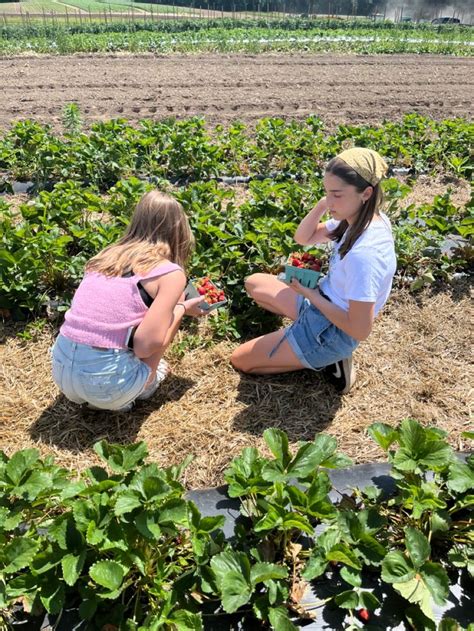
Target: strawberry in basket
{"x":212,"y":294}
{"x":305,"y":260}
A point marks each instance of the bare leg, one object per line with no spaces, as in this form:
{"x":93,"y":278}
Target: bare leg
{"x":272,"y":294}
{"x":253,"y":356}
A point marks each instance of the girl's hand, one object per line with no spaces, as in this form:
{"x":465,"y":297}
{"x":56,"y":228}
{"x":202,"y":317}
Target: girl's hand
{"x":303,"y":291}
{"x":192,"y":307}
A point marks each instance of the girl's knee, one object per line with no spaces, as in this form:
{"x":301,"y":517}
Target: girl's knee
{"x":253,"y":283}
{"x":237,"y":360}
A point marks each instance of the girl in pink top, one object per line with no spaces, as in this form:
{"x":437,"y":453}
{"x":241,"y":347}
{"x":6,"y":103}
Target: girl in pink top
{"x":127,"y":310}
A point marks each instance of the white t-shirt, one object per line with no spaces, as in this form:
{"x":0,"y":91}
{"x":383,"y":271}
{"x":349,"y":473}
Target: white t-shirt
{"x":366,"y":271}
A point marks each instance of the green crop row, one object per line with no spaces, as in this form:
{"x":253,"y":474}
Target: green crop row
{"x":121,"y":546}
{"x":93,"y":187}
{"x":182,"y":151}
{"x":251,"y":39}
{"x":45,"y":243}
{"x":32,"y":29}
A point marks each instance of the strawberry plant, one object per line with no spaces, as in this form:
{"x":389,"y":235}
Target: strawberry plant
{"x":415,"y":540}
{"x":121,"y":545}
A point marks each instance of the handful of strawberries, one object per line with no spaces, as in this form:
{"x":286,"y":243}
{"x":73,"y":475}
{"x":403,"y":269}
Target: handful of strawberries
{"x":305,"y":260}
{"x":212,"y":295}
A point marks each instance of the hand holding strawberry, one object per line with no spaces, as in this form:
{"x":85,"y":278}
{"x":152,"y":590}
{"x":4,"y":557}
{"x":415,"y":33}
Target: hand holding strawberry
{"x":193,"y":307}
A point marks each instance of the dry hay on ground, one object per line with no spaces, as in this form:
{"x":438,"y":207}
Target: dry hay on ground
{"x":416,"y":363}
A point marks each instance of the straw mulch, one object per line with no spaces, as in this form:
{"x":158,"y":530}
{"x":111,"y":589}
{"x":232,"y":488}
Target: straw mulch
{"x":416,"y":363}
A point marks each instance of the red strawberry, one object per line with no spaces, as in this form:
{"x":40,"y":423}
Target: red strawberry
{"x":364,"y":614}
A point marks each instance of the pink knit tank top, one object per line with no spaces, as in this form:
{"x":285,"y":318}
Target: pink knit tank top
{"x":105,"y":307}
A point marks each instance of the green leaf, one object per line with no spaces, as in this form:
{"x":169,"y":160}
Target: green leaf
{"x":415,"y":591}
{"x":280,"y":620}
{"x":351,"y":576}
{"x":34,"y":484}
{"x":52,"y":596}
{"x":235,"y":591}
{"x":230,"y":561}
{"x":19,"y":463}
{"x":311,"y":455}
{"x":368,"y":600}
{"x":87,"y":608}
{"x":383,"y":434}
{"x":293,"y":520}
{"x":436,"y":580}
{"x":316,"y":566}
{"x":209,"y":524}
{"x":418,"y":620}
{"x":440,"y":522}
{"x":437,"y":454}
{"x":411,"y":435}
{"x":347,"y":600}
{"x":396,"y":568}
{"x":277,"y":442}
{"x":272,"y":519}
{"x":371,"y":550}
{"x":127,"y":501}
{"x":417,"y":545}
{"x":262,"y":572}
{"x":337,"y":461}
{"x":186,"y":621}
{"x":121,"y":458}
{"x":5,"y":255}
{"x":341,"y":553}
{"x":72,"y":567}
{"x":109,"y":574}
{"x":18,"y":554}
{"x":274,"y":472}
{"x":460,"y":478}
{"x":448,"y":624}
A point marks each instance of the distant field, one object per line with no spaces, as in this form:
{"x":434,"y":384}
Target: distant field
{"x":94,"y":6}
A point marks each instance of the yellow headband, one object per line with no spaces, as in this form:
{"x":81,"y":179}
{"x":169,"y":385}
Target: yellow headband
{"x":366,"y":162}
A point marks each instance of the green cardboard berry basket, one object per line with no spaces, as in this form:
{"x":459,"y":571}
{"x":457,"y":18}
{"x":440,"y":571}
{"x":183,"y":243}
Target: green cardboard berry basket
{"x":307,"y":277}
{"x":192,"y":292}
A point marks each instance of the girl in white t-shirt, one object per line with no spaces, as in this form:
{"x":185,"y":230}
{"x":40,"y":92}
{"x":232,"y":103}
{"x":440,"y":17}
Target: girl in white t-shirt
{"x":331,"y":320}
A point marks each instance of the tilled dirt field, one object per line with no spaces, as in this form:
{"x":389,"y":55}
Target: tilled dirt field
{"x":339,"y":88}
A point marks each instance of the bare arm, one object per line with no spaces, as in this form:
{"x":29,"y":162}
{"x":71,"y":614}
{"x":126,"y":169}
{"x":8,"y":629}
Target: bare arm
{"x":153,"y":332}
{"x":357,"y":322}
{"x":311,"y":230}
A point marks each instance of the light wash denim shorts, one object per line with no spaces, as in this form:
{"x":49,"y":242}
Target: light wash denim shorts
{"x":315,"y":340}
{"x":108,"y":379}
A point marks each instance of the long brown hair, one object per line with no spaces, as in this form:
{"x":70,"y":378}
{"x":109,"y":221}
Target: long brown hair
{"x":158,"y":229}
{"x":369,"y":208}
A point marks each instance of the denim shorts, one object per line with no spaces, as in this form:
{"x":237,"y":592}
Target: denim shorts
{"x":108,"y":379}
{"x":315,"y":340}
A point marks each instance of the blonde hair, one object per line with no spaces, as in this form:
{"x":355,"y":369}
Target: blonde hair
{"x":158,"y":229}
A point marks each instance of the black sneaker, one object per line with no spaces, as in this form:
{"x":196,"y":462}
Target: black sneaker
{"x":341,"y":374}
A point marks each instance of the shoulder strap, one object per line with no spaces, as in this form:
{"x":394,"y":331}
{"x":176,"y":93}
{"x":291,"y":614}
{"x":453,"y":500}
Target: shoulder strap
{"x":161,"y":270}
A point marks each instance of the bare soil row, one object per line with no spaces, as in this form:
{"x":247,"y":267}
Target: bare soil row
{"x":222,"y":88}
